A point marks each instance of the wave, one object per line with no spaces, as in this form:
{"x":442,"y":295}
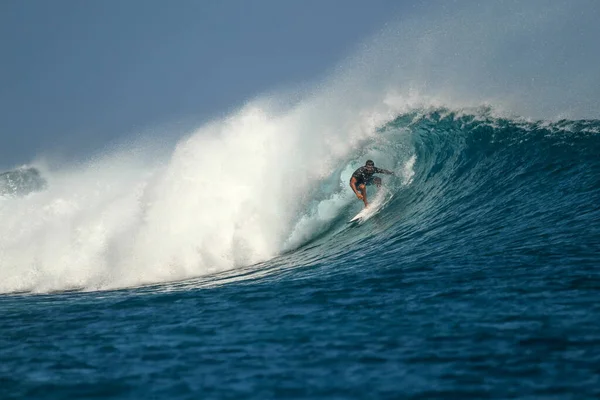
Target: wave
{"x":271,"y":178}
{"x":462,"y":179}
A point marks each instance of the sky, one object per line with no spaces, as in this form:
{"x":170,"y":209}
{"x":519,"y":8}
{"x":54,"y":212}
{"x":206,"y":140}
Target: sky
{"x":77,"y":75}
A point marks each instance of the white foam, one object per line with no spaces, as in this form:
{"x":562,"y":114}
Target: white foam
{"x":408,"y":171}
{"x":227,"y":197}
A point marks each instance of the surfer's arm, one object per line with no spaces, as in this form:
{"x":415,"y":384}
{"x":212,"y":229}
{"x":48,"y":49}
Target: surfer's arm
{"x":353,"y":185}
{"x":354,"y":189}
{"x":383,"y":171}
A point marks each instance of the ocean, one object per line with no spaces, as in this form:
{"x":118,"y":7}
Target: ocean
{"x":224,"y":266}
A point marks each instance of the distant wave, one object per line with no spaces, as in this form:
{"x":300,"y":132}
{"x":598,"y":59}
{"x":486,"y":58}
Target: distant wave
{"x":21,"y":181}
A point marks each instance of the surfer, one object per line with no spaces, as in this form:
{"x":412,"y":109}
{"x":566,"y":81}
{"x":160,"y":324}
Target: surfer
{"x":363,"y":177}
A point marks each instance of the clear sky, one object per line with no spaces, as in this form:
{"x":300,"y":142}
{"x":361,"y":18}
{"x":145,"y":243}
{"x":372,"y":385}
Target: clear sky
{"x":78,"y":74}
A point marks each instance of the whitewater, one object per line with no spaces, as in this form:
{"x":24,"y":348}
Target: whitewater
{"x":224,"y":264}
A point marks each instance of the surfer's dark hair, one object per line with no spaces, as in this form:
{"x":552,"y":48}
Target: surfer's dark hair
{"x":369,"y":163}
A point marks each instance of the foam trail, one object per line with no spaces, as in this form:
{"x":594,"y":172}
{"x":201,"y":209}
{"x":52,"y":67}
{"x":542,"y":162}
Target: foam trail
{"x":236,"y":191}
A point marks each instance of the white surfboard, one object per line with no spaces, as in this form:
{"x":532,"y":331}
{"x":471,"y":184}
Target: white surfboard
{"x":381,"y":198}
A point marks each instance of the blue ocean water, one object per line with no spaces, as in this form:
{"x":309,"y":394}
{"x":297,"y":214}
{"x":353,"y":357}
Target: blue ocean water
{"x":478,"y":279}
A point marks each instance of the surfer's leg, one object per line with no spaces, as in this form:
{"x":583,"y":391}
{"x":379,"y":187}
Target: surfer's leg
{"x":363,"y":190}
{"x":377,"y":182}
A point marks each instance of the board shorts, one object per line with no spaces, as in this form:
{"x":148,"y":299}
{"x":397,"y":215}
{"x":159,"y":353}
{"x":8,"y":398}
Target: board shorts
{"x":367,"y":182}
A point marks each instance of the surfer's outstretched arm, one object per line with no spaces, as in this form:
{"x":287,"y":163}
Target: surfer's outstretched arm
{"x":383,"y":171}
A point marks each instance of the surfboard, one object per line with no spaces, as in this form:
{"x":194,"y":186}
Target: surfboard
{"x":381,"y":198}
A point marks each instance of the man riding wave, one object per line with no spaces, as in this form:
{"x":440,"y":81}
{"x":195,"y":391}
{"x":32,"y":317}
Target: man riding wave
{"x":363,"y":176}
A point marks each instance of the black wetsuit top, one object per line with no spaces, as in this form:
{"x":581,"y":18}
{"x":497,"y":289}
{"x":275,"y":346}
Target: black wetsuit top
{"x":363,"y":175}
